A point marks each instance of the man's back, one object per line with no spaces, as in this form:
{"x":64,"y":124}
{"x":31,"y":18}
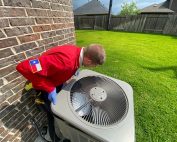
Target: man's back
{"x":58,"y":65}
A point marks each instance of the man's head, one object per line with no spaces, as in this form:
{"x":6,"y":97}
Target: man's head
{"x":94,"y":55}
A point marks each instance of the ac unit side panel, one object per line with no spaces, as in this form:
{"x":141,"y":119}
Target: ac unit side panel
{"x":116,"y":134}
{"x":73,"y":134}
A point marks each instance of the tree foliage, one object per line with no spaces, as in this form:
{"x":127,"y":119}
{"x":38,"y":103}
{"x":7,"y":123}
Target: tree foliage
{"x":129,"y":9}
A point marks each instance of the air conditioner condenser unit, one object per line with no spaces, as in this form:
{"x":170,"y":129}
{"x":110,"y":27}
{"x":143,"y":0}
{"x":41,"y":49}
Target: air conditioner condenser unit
{"x":95,"y":108}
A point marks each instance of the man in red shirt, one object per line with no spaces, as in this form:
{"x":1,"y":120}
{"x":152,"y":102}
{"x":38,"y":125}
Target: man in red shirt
{"x":57,"y":65}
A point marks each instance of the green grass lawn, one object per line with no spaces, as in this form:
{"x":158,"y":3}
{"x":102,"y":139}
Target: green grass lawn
{"x":148,"y":62}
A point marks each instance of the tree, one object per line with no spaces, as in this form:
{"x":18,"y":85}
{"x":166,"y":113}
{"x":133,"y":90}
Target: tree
{"x":129,"y":9}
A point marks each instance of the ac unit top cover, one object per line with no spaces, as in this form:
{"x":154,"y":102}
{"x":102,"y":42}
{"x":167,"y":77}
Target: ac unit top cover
{"x":98,"y":105}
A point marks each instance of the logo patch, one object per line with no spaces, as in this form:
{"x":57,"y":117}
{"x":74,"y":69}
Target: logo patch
{"x":35,"y":65}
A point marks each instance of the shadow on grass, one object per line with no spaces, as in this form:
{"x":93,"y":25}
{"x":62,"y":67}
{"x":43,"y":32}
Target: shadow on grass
{"x":175,"y":37}
{"x":80,"y":41}
{"x":172,"y":68}
{"x":130,"y":32}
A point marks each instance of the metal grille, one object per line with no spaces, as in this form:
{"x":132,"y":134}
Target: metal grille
{"x":99,"y":100}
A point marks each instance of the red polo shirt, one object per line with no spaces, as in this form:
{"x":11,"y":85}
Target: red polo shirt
{"x":58,"y":65}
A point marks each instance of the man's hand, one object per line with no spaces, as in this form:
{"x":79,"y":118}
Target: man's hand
{"x":53,"y":96}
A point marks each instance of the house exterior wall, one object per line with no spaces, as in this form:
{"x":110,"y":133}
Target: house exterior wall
{"x":27,"y":28}
{"x":173,"y":6}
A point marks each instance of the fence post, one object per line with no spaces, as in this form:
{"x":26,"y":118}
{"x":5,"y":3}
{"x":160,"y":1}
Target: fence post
{"x":94,"y":24}
{"x":144,"y":23}
{"x":109,"y":14}
{"x":79,"y":22}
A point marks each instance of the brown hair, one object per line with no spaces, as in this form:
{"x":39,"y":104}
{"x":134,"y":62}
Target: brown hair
{"x":96,"y":53}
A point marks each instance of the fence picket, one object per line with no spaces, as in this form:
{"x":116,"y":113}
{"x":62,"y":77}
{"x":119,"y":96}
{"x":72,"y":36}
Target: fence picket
{"x":151,"y":23}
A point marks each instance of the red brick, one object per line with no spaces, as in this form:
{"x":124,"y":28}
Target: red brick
{"x":6,"y":71}
{"x":9,"y":115}
{"x":65,"y":2}
{"x":58,"y":38}
{"x":55,"y":13}
{"x":22,"y":21}
{"x":13,"y":98}
{"x":4,"y":23}
{"x":11,"y":85}
{"x":62,"y":42}
{"x":51,"y":45}
{"x":29,"y":38}
{"x":18,"y":87}
{"x":45,"y":41}
{"x":59,"y":20}
{"x":17,"y":140}
{"x":48,"y":34}
{"x":5,"y":110}
{"x":24,"y":47}
{"x":56,"y":7}
{"x":8,"y":42}
{"x":57,"y":26}
{"x":69,"y":25}
{"x":18,"y":31}
{"x":17,"y":3}
{"x":72,"y":42}
{"x":36,"y":12}
{"x":67,"y":8}
{"x":35,"y":52}
{"x":12,"y":12}
{"x":60,"y":32}
{"x":15,"y":119}
{"x":1,"y":129}
{"x":1,"y":82}
{"x":11,"y":60}
{"x":41,"y":28}
{"x":5,"y":53}
{"x":2,"y":35}
{"x":20,"y":121}
{"x":7,"y":138}
{"x":12,"y":76}
{"x":40,"y":4}
{"x":4,"y":133}
{"x":44,"y":20}
{"x":5,"y":96}
{"x":71,"y":39}
{"x":68,"y":14}
{"x":47,"y":0}
{"x":16,"y":136}
{"x":69,"y":35}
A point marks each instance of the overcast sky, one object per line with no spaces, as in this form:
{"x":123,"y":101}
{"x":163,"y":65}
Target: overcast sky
{"x":116,"y":7}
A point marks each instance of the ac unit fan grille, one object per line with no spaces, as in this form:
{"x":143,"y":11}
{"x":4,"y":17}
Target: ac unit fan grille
{"x":98,"y":100}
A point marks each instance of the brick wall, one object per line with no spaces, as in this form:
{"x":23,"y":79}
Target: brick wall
{"x":27,"y":28}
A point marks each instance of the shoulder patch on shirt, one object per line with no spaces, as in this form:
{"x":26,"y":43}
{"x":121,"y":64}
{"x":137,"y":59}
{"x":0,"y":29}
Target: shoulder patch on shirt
{"x":35,"y":65}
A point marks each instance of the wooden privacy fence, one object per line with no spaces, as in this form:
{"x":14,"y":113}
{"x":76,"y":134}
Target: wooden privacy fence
{"x":151,"y":23}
